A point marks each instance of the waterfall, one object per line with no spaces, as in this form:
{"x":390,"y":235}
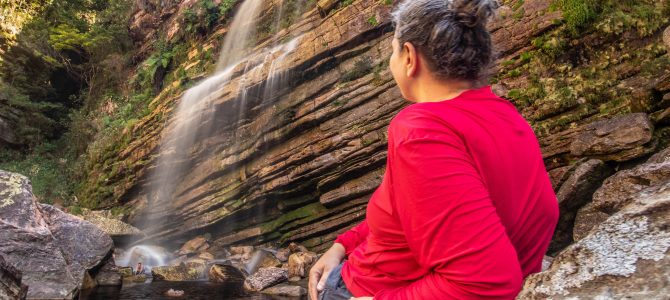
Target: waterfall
{"x":149,"y":256}
{"x":196,"y":109}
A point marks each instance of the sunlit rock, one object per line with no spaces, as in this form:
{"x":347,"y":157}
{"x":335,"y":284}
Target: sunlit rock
{"x":52,"y":249}
{"x":624,"y":257}
{"x":264,"y":278}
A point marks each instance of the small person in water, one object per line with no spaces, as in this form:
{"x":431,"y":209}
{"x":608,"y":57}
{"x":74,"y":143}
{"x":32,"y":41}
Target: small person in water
{"x":139,"y":269}
{"x":466,"y":209}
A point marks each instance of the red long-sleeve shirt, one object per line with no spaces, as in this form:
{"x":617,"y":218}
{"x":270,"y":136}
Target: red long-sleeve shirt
{"x":465,"y":210}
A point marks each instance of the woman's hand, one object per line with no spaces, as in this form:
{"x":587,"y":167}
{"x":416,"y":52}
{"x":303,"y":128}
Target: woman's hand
{"x":321,"y":269}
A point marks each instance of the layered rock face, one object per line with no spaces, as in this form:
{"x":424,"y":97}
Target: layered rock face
{"x":52,"y":250}
{"x":300,"y":165}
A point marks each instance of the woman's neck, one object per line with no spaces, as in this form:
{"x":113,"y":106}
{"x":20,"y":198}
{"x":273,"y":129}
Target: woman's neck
{"x":432,"y":90}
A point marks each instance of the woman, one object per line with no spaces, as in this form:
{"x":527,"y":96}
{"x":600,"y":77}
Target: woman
{"x":466,"y":209}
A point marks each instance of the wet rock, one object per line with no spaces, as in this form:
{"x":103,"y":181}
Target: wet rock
{"x":206,"y":256}
{"x":625,"y":257}
{"x":10,"y":282}
{"x":242,"y":250}
{"x":283,"y":254}
{"x":264,"y":278}
{"x":285,"y":290}
{"x":299,"y":263}
{"x":126,"y":272}
{"x":619,"y":190}
{"x":260,"y":259}
{"x":199,"y":265}
{"x":226,"y":274}
{"x":619,"y":138}
{"x":108,"y":275}
{"x":295,"y":247}
{"x":52,"y":249}
{"x":194,"y":245}
{"x":576,"y":191}
{"x":136,"y":278}
{"x":175,"y":273}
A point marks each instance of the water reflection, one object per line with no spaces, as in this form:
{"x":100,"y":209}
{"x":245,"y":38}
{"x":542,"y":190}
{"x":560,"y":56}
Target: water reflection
{"x":194,"y":290}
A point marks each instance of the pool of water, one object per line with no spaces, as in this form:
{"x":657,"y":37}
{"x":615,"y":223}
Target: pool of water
{"x":193,"y":290}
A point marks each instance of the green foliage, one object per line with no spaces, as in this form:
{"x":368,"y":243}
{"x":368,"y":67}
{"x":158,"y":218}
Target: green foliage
{"x":48,"y":173}
{"x":578,"y":13}
{"x":205,"y":14}
{"x":345,"y":3}
{"x":372,"y":20}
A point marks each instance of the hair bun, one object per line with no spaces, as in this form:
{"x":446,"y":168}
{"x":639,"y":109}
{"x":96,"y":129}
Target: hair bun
{"x":472,"y":13}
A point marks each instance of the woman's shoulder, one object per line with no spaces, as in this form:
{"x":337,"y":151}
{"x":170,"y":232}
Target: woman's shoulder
{"x":417,"y":121}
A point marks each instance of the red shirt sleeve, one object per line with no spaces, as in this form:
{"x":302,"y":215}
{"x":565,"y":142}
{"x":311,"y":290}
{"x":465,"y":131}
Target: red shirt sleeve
{"x":449,"y":220}
{"x":353,"y":237}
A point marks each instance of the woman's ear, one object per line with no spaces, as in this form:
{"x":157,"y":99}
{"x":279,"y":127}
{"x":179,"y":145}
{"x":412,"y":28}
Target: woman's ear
{"x":410,"y":59}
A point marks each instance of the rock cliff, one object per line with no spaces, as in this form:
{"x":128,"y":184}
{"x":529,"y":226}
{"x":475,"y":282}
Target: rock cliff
{"x":300,"y":165}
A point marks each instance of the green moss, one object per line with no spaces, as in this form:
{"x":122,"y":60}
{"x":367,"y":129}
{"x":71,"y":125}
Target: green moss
{"x":372,"y":20}
{"x":306,"y":212}
{"x":578,"y":13}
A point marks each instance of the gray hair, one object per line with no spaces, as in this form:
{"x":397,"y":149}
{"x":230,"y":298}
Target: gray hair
{"x":451,"y":35}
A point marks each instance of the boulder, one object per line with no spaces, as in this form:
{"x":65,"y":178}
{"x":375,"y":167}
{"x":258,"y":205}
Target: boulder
{"x":625,"y":257}
{"x":126,"y":272}
{"x":620,"y":138}
{"x":226,"y":274}
{"x":298,"y":263}
{"x":175,"y":273}
{"x":619,"y":190}
{"x":294,"y":247}
{"x":285,"y":290}
{"x":283,"y":254}
{"x":576,"y":191}
{"x":140,"y":278}
{"x":108,"y":275}
{"x":199,"y":265}
{"x":241,"y":250}
{"x":559,"y":175}
{"x":264,"y":278}
{"x":195,"y":245}
{"x":115,"y":228}
{"x":52,"y":249}
{"x":10,"y":282}
{"x":206,"y":256}
{"x":262,"y":259}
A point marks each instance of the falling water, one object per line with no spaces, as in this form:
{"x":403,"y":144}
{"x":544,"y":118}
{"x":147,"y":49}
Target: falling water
{"x":196,"y":108}
{"x":149,"y":256}
{"x":193,"y":110}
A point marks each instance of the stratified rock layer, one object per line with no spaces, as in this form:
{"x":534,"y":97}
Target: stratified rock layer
{"x":53,"y":250}
{"x":301,"y":165}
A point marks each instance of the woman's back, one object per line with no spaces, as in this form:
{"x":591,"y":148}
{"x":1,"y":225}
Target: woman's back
{"x":465,"y":195}
{"x":507,"y":156}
